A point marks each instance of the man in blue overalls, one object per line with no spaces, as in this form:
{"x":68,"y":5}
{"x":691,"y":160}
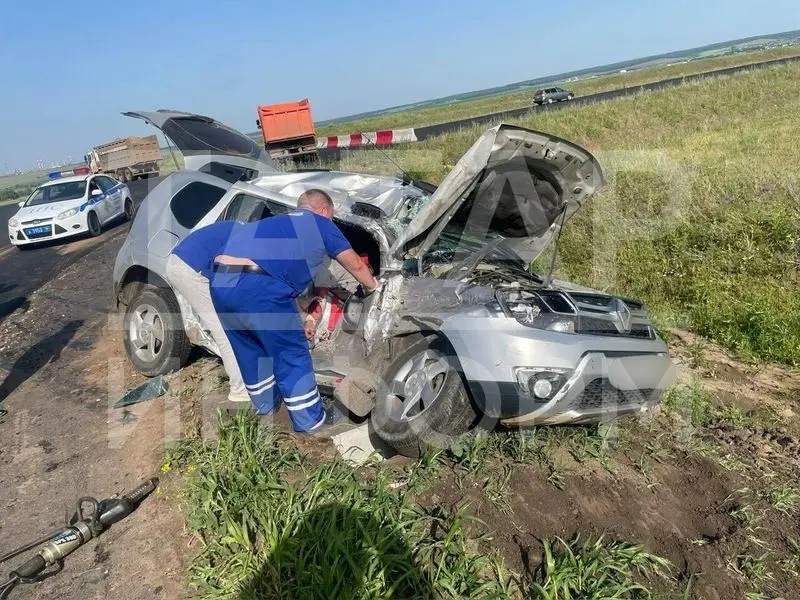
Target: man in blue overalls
{"x":264,"y":267}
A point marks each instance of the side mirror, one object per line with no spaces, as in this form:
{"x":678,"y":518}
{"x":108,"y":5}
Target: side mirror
{"x":21,"y":203}
{"x":95,"y":192}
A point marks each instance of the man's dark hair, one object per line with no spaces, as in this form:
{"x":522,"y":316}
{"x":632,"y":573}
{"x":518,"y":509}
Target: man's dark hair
{"x":315,"y":198}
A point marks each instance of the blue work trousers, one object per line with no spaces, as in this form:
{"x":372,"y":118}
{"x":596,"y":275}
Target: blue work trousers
{"x":259,"y":315}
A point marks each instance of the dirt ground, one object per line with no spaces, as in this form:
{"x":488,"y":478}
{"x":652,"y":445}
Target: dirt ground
{"x":679,"y":490}
{"x":59,"y":440}
{"x":697,"y":496}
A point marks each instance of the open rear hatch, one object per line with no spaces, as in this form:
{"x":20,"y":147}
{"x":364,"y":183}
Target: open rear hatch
{"x":209,"y":146}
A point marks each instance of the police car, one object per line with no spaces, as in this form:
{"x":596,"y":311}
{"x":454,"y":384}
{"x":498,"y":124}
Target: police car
{"x":71,"y":203}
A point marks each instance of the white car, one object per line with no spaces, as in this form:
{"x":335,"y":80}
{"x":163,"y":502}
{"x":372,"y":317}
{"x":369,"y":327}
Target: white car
{"x":72,"y":203}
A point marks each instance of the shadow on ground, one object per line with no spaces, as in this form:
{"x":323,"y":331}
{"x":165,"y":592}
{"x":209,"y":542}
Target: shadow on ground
{"x":338,"y":553}
{"x":36,"y":357}
{"x":9,"y":306}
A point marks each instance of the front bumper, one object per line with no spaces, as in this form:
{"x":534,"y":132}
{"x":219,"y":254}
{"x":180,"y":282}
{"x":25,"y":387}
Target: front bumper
{"x":59,"y":228}
{"x":601,"y":387}
{"x":603,"y":376}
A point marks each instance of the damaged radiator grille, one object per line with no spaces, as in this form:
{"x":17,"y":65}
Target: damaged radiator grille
{"x":595,"y":326}
{"x":607,"y":315}
{"x":599,"y":393}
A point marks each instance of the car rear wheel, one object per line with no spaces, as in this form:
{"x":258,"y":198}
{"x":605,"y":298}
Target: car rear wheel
{"x":570,"y":96}
{"x":423,"y":402}
{"x":93,"y":223}
{"x":128,"y":214}
{"x":153,"y":334}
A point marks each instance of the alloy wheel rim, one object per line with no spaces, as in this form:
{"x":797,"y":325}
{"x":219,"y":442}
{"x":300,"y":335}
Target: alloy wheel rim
{"x":146,"y":331}
{"x":417,"y":385}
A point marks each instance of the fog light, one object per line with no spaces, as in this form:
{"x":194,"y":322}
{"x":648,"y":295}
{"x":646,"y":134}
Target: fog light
{"x":542,"y":388}
{"x":543,"y":383}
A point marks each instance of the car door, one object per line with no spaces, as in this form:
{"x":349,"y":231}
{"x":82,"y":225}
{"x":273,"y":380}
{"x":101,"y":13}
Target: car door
{"x":98,"y":202}
{"x":113,"y":195}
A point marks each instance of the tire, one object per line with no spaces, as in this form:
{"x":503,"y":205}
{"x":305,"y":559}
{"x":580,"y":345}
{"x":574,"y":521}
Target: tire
{"x":93,"y":223}
{"x":570,"y":96}
{"x":549,"y":100}
{"x":412,"y":428}
{"x":127,"y":213}
{"x":153,"y":333}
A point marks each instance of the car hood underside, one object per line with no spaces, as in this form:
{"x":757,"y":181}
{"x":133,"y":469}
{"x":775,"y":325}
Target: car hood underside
{"x":513,"y":183}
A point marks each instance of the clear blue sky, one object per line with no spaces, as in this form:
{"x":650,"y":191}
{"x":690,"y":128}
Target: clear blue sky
{"x":69,"y":68}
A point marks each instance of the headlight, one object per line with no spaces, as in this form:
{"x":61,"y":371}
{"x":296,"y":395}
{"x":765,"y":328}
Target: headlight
{"x":68,"y":213}
{"x":12,"y":222}
{"x":542,"y":310}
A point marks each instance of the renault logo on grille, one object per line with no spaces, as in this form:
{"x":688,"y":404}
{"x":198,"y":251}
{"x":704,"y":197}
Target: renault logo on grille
{"x":622,"y":316}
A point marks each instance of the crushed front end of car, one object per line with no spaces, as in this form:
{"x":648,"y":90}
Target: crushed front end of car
{"x":530,"y":350}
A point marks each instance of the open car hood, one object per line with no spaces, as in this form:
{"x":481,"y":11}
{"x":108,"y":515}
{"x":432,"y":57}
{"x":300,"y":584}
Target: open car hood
{"x":512,"y":183}
{"x":203,"y":140}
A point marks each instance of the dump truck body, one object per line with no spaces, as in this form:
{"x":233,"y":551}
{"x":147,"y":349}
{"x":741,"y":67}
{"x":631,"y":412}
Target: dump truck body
{"x":127,"y":158}
{"x":288,"y":130}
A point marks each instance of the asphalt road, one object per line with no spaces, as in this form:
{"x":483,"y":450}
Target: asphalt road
{"x":23,"y":272}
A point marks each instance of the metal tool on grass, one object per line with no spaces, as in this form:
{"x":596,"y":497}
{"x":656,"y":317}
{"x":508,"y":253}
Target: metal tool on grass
{"x":83,"y":526}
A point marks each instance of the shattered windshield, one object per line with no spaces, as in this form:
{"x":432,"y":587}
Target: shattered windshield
{"x":456,"y":251}
{"x":410,"y":208}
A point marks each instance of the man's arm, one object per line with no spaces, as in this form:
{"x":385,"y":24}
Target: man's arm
{"x":356,"y":267}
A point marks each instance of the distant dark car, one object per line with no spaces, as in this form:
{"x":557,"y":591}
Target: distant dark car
{"x":553,"y":94}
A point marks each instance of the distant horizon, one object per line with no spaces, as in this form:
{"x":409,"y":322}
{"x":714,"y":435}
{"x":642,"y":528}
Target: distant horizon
{"x":605,"y":69}
{"x":560,"y":77}
{"x":357,"y":59}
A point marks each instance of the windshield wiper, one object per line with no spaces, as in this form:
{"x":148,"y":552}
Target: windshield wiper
{"x":467,"y":266}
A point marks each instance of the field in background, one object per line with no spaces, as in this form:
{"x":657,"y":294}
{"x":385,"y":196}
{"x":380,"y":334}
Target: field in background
{"x":521,"y":99}
{"x":17,"y":187}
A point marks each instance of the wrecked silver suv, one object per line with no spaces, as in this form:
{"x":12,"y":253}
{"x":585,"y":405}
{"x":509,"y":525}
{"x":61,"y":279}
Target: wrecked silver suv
{"x":461,"y":332}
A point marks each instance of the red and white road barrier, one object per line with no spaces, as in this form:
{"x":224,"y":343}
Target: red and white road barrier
{"x":374,"y":138}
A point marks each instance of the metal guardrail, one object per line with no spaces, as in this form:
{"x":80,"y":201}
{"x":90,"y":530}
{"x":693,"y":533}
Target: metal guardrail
{"x":429,"y":131}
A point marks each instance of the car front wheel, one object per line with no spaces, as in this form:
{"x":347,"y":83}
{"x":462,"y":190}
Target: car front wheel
{"x":423,"y":402}
{"x":128,"y":213}
{"x":93,"y":224}
{"x":153,"y":334}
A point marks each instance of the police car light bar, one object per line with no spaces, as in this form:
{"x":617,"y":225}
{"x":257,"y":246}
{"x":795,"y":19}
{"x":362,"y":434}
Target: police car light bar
{"x":75,"y":171}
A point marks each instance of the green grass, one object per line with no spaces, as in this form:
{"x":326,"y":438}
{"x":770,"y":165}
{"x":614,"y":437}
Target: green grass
{"x":595,"y":571}
{"x":277,"y":525}
{"x":521,"y":99}
{"x":784,"y":498}
{"x":700,"y":218}
{"x":273,"y":523}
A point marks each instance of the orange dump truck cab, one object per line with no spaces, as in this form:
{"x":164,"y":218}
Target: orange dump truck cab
{"x":288,"y":130}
